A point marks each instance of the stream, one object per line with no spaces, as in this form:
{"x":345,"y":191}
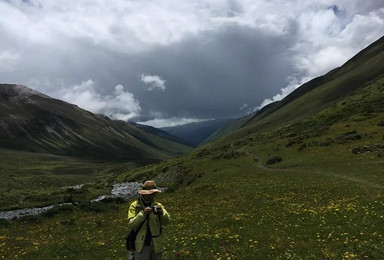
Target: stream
{"x":120,"y":190}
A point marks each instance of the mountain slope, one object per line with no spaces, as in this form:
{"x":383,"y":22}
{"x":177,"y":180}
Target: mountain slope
{"x":317,"y":185}
{"x":319,"y":93}
{"x":158,"y":132}
{"x":228,"y":128}
{"x":34,"y":122}
{"x":196,"y":133}
{"x":297,"y":189}
{"x":324,"y":91}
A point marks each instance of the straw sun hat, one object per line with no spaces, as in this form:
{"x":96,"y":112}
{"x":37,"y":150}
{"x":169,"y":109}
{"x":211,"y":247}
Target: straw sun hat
{"x":149,"y":187}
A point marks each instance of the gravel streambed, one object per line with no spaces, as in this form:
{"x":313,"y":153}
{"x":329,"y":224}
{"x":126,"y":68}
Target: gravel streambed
{"x":120,"y":190}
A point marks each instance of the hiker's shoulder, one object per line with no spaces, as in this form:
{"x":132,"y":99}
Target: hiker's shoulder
{"x":134,"y":203}
{"x":158,"y":203}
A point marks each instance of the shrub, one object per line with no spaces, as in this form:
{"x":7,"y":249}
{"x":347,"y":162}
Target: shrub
{"x":328,"y":141}
{"x":4,"y":223}
{"x":93,"y":207}
{"x":297,"y":140}
{"x":274,"y":160}
{"x":302,"y":147}
{"x":68,"y":222}
{"x":51,"y":212}
{"x":348,"y":136}
{"x":117,"y":200}
{"x":66,"y":208}
{"x":233,"y":154}
{"x":31,"y":218}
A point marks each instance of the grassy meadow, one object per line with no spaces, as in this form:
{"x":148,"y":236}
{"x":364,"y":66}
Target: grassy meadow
{"x":321,"y":202}
{"x":37,"y":179}
{"x":313,"y":189}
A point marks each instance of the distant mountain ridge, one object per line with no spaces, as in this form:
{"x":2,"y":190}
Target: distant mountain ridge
{"x":229,"y":128}
{"x":32,"y":121}
{"x":196,"y":133}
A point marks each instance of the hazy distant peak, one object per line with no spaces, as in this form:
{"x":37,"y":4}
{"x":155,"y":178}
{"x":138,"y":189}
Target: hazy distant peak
{"x":19,"y":90}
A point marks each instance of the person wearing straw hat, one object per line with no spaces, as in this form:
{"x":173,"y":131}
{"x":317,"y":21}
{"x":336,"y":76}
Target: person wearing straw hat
{"x":147,"y":216}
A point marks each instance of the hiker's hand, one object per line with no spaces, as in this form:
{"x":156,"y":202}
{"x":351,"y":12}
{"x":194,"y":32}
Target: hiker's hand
{"x":160,"y":210}
{"x":147,"y":210}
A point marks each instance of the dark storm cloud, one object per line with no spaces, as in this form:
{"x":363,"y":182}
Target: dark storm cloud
{"x":215,"y":74}
{"x":179,"y":61}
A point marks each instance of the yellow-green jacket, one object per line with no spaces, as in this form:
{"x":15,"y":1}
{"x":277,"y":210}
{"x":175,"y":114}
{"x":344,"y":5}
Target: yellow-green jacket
{"x":136,"y":216}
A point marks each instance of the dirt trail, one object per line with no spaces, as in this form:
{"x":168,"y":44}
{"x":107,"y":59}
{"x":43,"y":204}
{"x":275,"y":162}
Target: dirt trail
{"x":260,"y":165}
{"x":352,"y":179}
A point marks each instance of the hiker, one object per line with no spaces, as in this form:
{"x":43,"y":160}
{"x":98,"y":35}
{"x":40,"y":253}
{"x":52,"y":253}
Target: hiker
{"x":149,"y":215}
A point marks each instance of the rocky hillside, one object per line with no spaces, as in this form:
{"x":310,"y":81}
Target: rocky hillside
{"x":34,"y":122}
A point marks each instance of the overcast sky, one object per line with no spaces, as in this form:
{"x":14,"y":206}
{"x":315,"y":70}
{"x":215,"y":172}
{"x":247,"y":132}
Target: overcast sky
{"x":166,"y":62}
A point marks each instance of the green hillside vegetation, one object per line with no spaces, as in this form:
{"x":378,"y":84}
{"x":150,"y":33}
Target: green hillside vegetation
{"x":47,"y":145}
{"x":30,"y":121}
{"x":196,"y":133}
{"x":303,"y":179}
{"x":312,"y":189}
{"x":228,"y":128}
{"x":317,"y":94}
{"x":37,"y":179}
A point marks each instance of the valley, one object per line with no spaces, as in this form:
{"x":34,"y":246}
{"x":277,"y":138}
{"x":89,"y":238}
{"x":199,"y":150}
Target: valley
{"x":321,"y":200}
{"x":302,"y":178}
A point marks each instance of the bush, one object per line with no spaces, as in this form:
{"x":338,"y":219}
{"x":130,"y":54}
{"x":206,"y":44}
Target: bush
{"x":68,"y":222}
{"x":274,"y":160}
{"x":31,"y":218}
{"x":190,"y":178}
{"x":66,"y":208}
{"x":328,"y":141}
{"x":51,"y":212}
{"x":297,"y":140}
{"x":302,"y":147}
{"x":117,"y":200}
{"x":102,"y":206}
{"x":229,"y":154}
{"x":93,"y":207}
{"x":348,"y":136}
{"x":233,"y":155}
{"x":4,"y":223}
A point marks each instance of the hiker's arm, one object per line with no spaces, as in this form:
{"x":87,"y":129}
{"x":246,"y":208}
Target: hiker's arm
{"x":165,"y":217}
{"x":134,"y":220}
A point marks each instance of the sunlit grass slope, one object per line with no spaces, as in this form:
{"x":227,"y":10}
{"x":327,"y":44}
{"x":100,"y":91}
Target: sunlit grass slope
{"x":310,"y":190}
{"x":317,"y":94}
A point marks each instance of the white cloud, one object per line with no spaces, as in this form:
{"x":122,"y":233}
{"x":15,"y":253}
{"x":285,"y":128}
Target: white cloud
{"x":121,"y":105}
{"x":326,"y":41}
{"x":73,"y":40}
{"x":9,"y":60}
{"x":293,"y":84}
{"x":244,"y":106}
{"x":135,"y":26}
{"x":153,"y":82}
{"x":169,"y":122}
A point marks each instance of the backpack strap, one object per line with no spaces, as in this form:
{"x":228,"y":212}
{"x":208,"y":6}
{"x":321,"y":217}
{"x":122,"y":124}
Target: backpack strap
{"x":142,"y":223}
{"x":146,"y":218}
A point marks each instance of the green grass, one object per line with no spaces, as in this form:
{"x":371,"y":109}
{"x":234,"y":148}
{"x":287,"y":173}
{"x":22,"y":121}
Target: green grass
{"x":33,"y":179}
{"x":226,"y":202}
{"x":317,"y":203}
